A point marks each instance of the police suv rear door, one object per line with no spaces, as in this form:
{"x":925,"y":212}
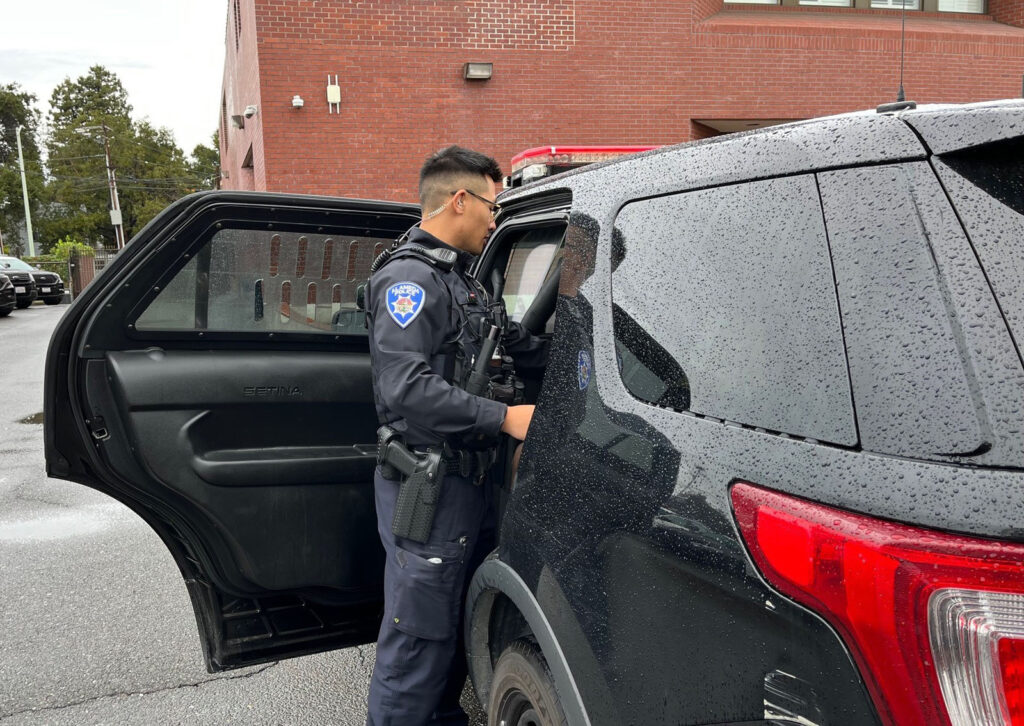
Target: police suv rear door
{"x":216,"y":380}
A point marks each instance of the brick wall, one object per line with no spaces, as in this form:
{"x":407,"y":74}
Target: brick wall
{"x":701,"y":9}
{"x":1010,"y":12}
{"x":437,"y":24}
{"x":241,"y":88}
{"x":575,"y":72}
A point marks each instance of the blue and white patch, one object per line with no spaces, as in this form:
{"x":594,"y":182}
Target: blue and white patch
{"x":583,"y":370}
{"x":405,"y":301}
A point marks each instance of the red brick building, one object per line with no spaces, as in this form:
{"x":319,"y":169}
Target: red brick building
{"x":571,"y":72}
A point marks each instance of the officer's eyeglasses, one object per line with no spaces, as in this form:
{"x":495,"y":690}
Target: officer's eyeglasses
{"x":493,"y":206}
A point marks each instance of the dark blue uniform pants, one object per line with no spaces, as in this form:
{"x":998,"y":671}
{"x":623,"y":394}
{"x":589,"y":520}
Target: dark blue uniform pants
{"x":421,"y":665}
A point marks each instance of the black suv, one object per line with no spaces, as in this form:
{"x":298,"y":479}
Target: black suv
{"x":8,"y":298}
{"x":776,"y":472}
{"x":49,"y":286}
{"x":20,"y":275}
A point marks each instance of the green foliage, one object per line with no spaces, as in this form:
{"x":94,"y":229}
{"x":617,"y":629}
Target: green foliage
{"x":98,"y":95}
{"x":16,"y":110}
{"x":50,"y":264}
{"x":64,"y":248}
{"x":205,"y":164}
{"x":151,"y":170}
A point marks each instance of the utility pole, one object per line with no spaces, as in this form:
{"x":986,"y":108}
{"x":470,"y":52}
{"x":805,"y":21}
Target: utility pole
{"x":115,"y":204}
{"x":24,"y":194}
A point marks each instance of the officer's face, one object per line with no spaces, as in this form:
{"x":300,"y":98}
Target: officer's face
{"x":479,"y":220}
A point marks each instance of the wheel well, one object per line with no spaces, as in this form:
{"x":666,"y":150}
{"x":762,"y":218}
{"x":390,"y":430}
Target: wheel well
{"x":502,"y":608}
{"x":506,"y":625}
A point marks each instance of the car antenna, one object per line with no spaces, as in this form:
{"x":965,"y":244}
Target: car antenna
{"x":901,"y":97}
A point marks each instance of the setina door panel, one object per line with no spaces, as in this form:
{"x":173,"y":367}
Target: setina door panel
{"x":216,"y":380}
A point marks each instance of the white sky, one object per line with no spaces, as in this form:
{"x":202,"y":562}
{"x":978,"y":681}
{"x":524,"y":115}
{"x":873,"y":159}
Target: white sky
{"x":169,"y":54}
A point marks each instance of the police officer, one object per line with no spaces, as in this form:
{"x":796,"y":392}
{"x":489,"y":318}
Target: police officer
{"x":424,"y":318}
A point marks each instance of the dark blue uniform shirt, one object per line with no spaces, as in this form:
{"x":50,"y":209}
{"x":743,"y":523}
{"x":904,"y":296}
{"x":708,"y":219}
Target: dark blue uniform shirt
{"x":418,"y":315}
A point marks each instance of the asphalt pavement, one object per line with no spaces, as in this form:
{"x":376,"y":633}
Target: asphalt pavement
{"x":95,"y":623}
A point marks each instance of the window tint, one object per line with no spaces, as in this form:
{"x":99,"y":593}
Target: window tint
{"x":726,"y":296}
{"x":254,"y":280}
{"x":532,"y":260}
{"x":647,"y":369}
{"x":910,"y":386}
{"x":986,"y":185}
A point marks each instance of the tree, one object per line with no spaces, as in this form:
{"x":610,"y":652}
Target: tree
{"x":63,"y":249}
{"x":151,"y":169}
{"x":16,"y":109}
{"x":152,"y":174}
{"x":81,"y":113}
{"x":205,"y":164}
{"x":98,"y":94}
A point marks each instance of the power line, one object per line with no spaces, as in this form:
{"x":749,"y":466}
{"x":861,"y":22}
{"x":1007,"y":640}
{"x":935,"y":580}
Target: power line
{"x":72,"y":158}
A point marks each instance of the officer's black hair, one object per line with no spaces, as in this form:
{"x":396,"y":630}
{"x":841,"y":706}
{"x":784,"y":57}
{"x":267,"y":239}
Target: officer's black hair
{"x":448,"y":165}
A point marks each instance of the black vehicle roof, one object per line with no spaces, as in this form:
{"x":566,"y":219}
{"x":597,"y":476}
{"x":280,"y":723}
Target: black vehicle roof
{"x":855,"y":139}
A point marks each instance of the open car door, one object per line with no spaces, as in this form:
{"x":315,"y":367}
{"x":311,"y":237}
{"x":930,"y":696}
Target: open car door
{"x":216,"y":380}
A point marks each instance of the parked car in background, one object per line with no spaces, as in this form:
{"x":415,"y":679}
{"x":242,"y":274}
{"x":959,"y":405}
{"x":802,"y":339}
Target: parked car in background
{"x":8,"y":298}
{"x":49,"y":286}
{"x":775,"y":474}
{"x":40,"y":284}
{"x":20,"y":274}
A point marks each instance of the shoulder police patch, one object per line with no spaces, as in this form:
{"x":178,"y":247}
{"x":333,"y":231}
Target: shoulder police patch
{"x":405,"y":301}
{"x":584,"y":366}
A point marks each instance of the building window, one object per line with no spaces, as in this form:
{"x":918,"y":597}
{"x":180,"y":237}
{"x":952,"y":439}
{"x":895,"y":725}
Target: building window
{"x":897,"y":4}
{"x":238,"y":22}
{"x":962,"y":6}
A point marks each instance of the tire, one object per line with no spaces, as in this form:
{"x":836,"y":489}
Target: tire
{"x":22,"y":304}
{"x":5,"y":312}
{"x":522,"y":691}
{"x":51,"y":300}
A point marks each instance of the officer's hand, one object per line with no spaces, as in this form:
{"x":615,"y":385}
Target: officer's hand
{"x":517,"y":421}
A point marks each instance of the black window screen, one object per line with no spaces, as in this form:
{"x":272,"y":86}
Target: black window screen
{"x":725,"y":300}
{"x":249,"y":280}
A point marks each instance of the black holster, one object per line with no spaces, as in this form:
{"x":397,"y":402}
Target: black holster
{"x":421,"y":476}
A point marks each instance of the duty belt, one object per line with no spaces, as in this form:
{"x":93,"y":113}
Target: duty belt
{"x":464,"y":462}
{"x":422,"y":473}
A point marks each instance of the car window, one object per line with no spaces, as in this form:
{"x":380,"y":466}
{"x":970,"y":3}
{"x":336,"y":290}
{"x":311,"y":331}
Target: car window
{"x":532,"y":259}
{"x":986,"y":185}
{"x":911,"y":389}
{"x":647,"y":369}
{"x":254,"y":280}
{"x":735,"y":286}
{"x":13,"y":263}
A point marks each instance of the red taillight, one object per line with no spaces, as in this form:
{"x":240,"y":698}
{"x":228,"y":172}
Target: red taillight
{"x":1011,"y":670}
{"x":874,"y":581}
